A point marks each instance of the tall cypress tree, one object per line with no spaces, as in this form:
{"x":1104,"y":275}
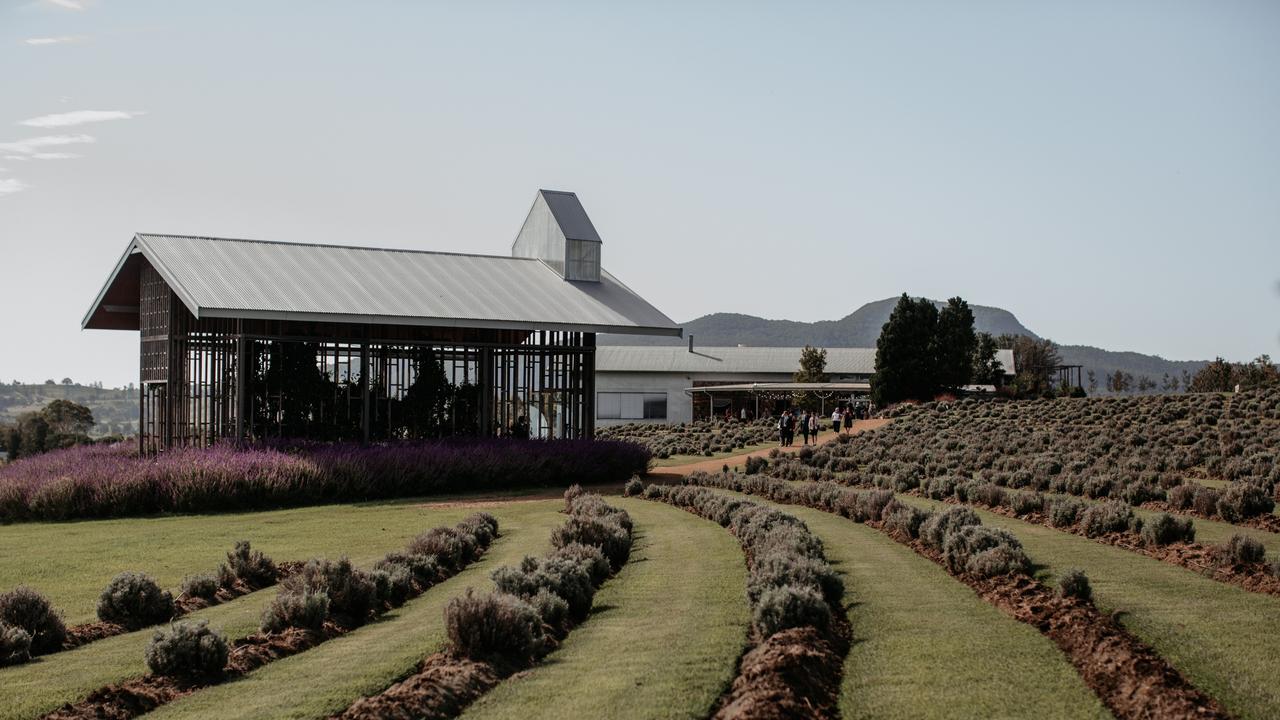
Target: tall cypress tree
{"x":906,"y":353}
{"x":955,"y":344}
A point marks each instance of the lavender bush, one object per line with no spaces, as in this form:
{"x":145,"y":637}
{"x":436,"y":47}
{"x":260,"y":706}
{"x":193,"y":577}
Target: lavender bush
{"x":113,"y":481}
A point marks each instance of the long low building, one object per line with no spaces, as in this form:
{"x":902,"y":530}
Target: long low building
{"x":254,"y":339}
{"x":673,"y":384}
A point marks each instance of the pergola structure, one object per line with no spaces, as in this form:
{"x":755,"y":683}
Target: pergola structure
{"x":786,"y":391}
{"x":250,"y":339}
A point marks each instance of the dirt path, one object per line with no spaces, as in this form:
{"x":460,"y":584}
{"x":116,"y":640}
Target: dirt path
{"x":734,"y":461}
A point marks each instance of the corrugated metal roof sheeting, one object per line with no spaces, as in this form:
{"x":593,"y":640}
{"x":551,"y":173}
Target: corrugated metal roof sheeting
{"x":570,"y":215}
{"x":224,"y":277}
{"x":740,"y":360}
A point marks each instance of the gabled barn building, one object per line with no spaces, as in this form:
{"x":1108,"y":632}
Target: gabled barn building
{"x":255,"y":339}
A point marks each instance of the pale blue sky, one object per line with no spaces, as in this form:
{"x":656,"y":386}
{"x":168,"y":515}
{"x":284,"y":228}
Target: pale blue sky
{"x":1108,"y":171}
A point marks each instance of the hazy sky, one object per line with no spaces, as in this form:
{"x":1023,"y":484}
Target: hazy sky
{"x":1108,"y":171}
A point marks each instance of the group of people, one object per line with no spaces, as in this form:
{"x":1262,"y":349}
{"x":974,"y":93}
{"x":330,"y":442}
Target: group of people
{"x":809,"y":423}
{"x":789,"y":422}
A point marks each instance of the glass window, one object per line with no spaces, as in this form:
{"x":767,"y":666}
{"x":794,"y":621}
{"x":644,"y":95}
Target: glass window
{"x":655,"y":406}
{"x":631,"y":406}
{"x":609,"y":405}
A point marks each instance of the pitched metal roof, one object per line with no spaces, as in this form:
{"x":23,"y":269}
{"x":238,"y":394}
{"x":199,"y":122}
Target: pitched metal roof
{"x":738,"y":360}
{"x":570,"y":214}
{"x":216,"y":277}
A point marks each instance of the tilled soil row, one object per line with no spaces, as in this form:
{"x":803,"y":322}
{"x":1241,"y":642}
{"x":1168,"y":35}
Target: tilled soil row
{"x":1128,"y":675}
{"x":442,"y":687}
{"x":795,"y":673}
{"x":1201,"y":558}
{"x":85,"y":633}
{"x":137,"y":696}
{"x":1269,"y":522}
{"x":444,"y":684}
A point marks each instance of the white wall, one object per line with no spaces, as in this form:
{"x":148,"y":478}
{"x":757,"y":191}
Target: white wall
{"x":679,"y":405}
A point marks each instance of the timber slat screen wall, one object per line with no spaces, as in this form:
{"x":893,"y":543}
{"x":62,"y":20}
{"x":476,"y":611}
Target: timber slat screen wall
{"x":210,"y":379}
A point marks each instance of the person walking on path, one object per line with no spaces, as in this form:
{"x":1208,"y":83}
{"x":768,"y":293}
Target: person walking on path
{"x":804,"y":428}
{"x":813,"y":427}
{"x":848,"y":421}
{"x":835,"y":419}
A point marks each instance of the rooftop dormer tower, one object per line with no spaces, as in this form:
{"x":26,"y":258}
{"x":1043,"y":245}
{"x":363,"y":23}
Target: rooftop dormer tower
{"x":559,"y":233}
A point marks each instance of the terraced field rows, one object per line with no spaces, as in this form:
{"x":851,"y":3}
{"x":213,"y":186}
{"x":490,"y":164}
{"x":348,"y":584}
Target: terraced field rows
{"x":662,"y":639}
{"x":327,"y":679}
{"x":1216,"y":634}
{"x":914,"y":626}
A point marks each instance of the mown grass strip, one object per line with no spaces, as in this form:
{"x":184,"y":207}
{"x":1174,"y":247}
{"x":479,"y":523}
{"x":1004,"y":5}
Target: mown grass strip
{"x":325,"y":680}
{"x":925,"y":646}
{"x":662,"y":638}
{"x":50,"y":681}
{"x":1216,"y":634}
{"x":72,"y":562}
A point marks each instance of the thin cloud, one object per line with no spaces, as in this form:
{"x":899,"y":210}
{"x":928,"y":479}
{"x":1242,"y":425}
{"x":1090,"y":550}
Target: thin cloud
{"x":78,"y":117}
{"x":9,"y":186}
{"x":22,"y":158}
{"x":31,"y":146}
{"x":59,"y":40}
{"x":55,"y":156}
{"x":68,"y":4}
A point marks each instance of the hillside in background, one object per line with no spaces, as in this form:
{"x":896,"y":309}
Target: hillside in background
{"x":115,"y":410}
{"x":862,"y":327}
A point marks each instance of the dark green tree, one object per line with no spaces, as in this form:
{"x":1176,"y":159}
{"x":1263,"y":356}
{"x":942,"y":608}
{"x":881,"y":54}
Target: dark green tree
{"x":813,"y":369}
{"x":1217,"y":376}
{"x":987,"y":369}
{"x":67,"y":418}
{"x":954,"y":345}
{"x":425,"y":408}
{"x":1035,"y":360}
{"x":906,"y":353}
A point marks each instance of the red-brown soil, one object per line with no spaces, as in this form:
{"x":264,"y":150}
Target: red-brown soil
{"x":78,"y":635}
{"x":1204,"y":559}
{"x":442,"y":687}
{"x":793,"y":674}
{"x":86,"y":633}
{"x":1269,"y":522}
{"x":125,"y":700}
{"x":1130,"y":677}
{"x":135,"y":697}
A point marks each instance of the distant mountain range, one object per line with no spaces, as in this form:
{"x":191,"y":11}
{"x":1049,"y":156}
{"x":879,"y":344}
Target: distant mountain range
{"x":862,"y":328}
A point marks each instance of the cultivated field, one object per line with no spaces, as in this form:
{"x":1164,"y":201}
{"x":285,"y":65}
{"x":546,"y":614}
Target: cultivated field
{"x":1030,"y":559}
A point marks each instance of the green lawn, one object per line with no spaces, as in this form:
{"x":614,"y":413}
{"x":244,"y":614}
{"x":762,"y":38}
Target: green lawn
{"x":823,"y":437}
{"x":925,"y":646}
{"x":1212,"y":531}
{"x":687,"y":459}
{"x":365,"y":532}
{"x":662,"y":640}
{"x":72,"y":562}
{"x":327,"y":678}
{"x":1221,"y":637}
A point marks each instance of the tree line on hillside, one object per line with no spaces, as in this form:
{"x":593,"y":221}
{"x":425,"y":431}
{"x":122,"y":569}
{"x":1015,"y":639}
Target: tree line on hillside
{"x":924,"y":352}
